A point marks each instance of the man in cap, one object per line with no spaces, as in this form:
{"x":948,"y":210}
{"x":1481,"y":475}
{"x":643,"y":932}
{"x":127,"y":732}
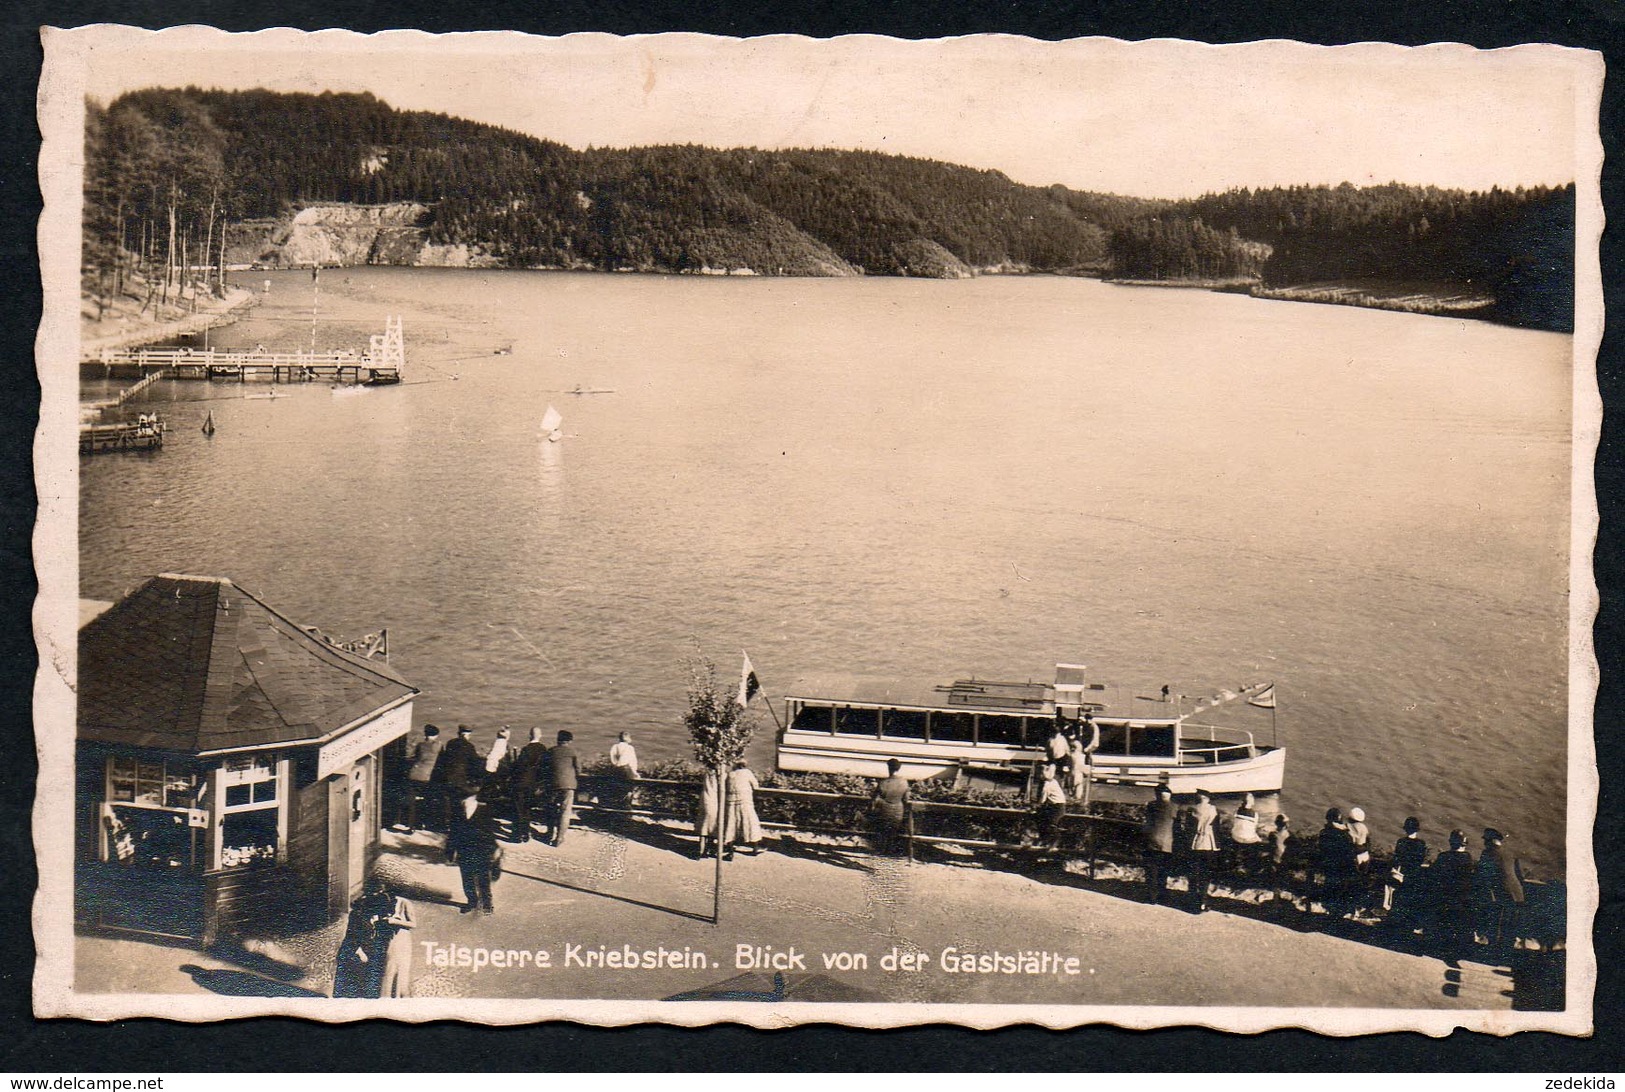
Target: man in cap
{"x":563,"y":771}
{"x":1158,"y":831}
{"x":527,"y":769}
{"x":421,"y":770}
{"x":1452,"y":876}
{"x":453,"y":772}
{"x":1498,"y":890}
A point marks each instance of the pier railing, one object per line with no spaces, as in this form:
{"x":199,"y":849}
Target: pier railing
{"x":1011,"y":831}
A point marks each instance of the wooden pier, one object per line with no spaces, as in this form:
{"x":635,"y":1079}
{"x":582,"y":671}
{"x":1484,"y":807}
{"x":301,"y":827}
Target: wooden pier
{"x":383,"y":362}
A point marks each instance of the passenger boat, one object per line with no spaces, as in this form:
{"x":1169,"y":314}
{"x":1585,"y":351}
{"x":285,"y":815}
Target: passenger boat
{"x":973,"y":728}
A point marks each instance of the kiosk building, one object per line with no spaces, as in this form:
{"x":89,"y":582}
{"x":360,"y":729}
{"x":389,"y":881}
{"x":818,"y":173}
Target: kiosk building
{"x":229,"y":765}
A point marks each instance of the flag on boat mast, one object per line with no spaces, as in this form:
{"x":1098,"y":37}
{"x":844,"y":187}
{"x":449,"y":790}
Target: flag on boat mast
{"x":748,"y":685}
{"x":1265,"y":698}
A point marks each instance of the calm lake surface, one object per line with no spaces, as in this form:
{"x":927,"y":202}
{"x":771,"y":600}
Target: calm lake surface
{"x":922,"y":479}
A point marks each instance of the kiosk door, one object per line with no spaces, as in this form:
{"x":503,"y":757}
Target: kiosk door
{"x":359,"y":813}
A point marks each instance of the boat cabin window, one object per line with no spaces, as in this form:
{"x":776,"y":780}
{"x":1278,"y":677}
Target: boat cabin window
{"x":1149,"y":741}
{"x":814,"y":718}
{"x":953,"y":727}
{"x":999,"y":730}
{"x":903,"y":723}
{"x":1113,"y":739}
{"x":857,"y":722}
{"x":1157,"y":741}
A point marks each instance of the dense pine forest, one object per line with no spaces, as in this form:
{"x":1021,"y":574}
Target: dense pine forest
{"x":171,"y":175}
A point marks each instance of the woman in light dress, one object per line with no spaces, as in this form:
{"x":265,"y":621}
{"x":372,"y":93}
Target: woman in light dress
{"x":744,"y":828}
{"x":705,"y":823}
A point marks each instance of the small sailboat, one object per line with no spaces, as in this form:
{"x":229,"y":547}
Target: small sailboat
{"x":208,"y":424}
{"x":551,"y":422}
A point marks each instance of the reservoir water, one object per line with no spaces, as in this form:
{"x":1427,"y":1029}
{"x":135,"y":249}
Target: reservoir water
{"x":921,"y":479}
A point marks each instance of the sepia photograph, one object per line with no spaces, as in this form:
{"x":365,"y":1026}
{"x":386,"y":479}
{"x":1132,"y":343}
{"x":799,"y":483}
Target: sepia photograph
{"x":777,"y":530}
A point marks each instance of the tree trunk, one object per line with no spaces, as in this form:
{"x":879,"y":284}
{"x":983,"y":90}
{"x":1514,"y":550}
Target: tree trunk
{"x":169,"y":254}
{"x":208,"y":244}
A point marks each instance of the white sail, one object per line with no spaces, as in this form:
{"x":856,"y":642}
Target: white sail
{"x":551,"y":422}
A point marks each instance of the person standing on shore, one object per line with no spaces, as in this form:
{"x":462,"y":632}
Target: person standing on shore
{"x":623,"y":761}
{"x":1399,"y":891}
{"x":454,"y":771}
{"x":708,"y":821}
{"x":889,"y":807}
{"x":1336,"y":864}
{"x":1452,"y":881}
{"x":563,"y":772}
{"x":1057,"y":748}
{"x":1245,"y":839}
{"x":1158,"y":831}
{"x":744,"y":828}
{"x":1077,"y":768}
{"x":395,"y":933}
{"x":527,"y":769}
{"x":421,"y":799}
{"x":473,"y":847}
{"x":1204,"y":848}
{"x":499,"y":757}
{"x":1280,"y":835}
{"x":1051,"y":806}
{"x":1360,"y":835}
{"x":1498,"y":891}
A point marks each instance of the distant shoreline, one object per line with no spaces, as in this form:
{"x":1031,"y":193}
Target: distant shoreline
{"x":1439,"y":301}
{"x":1436,"y":300}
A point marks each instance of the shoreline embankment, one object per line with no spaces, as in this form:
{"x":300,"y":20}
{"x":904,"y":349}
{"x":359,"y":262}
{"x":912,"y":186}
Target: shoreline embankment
{"x":120,"y":328}
{"x":1436,"y":300}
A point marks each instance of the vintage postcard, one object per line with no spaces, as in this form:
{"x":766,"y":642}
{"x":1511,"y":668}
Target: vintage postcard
{"x":692,"y":529}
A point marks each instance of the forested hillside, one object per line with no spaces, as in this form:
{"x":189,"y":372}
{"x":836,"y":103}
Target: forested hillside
{"x":172,"y":174}
{"x":1515,"y":246}
{"x":196,"y":156}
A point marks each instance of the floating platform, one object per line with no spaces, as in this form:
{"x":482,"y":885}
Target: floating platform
{"x":145,"y":433}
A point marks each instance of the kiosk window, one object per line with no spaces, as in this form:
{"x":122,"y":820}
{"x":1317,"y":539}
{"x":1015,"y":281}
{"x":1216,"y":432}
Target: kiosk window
{"x":248,"y":827}
{"x":903,"y":724}
{"x":857,"y":722}
{"x":953,"y":727}
{"x":147,"y":819}
{"x":248,"y":838}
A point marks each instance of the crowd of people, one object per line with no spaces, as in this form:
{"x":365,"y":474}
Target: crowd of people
{"x":515,"y":794}
{"x":1453,"y":901}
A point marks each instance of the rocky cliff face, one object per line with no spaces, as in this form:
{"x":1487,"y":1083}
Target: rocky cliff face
{"x":335,"y":235}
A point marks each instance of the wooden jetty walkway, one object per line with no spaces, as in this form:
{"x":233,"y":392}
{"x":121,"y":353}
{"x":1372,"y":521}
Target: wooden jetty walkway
{"x":383,"y":362}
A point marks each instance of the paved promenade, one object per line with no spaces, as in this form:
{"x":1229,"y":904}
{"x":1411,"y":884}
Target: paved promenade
{"x":602,"y":901}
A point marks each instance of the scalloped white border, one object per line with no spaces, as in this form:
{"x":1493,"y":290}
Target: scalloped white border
{"x":61,"y":112}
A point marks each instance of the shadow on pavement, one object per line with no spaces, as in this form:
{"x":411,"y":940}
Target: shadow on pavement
{"x":607,"y":895}
{"x":243,"y":984}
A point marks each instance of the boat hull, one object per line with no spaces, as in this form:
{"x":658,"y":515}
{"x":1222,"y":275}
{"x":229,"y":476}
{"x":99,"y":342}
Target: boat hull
{"x":1262,"y":771}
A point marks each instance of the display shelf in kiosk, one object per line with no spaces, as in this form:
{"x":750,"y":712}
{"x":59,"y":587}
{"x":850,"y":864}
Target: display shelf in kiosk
{"x":229,"y":765}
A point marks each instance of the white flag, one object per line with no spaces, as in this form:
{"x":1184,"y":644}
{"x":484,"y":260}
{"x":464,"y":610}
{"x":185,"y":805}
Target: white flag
{"x":748,"y":686}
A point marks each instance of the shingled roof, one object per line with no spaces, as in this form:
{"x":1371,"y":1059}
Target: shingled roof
{"x":197,"y":664}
